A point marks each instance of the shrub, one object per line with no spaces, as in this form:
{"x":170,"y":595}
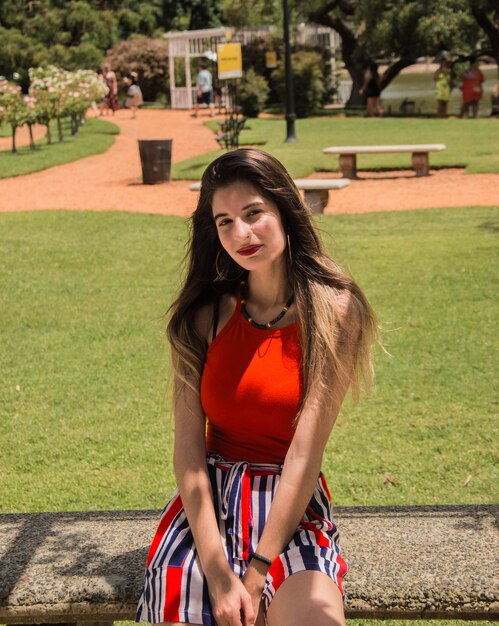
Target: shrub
{"x":308,"y":79}
{"x":252,"y":94}
{"x":149,"y":58}
{"x":14,"y":109}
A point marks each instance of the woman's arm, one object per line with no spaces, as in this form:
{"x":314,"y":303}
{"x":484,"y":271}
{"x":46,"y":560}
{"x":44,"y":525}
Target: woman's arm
{"x":302,"y":464}
{"x":227,"y":594}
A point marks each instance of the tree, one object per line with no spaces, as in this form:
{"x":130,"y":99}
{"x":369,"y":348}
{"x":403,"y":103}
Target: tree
{"x":399,"y":31}
{"x":77,"y":33}
{"x":147,"y":57}
{"x":486,"y":14}
{"x":241,"y":13}
{"x":204,"y":14}
{"x":14,"y":108}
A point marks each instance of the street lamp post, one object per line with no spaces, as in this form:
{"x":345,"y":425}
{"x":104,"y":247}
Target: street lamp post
{"x":290,"y":95}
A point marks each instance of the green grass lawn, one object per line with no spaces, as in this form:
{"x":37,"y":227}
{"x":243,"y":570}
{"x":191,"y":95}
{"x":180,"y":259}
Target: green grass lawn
{"x":94,"y":137}
{"x":470,"y":143}
{"x":84,"y":407}
{"x":84,"y":403}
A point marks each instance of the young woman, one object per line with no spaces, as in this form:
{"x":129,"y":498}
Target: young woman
{"x":267,"y":334}
{"x":442,"y":79}
{"x":472,"y":89}
{"x":134,"y":98}
{"x":372,"y":90}
{"x":112,"y":86}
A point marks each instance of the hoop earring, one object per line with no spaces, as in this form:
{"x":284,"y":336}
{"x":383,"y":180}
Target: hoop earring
{"x":219,"y":275}
{"x":289,"y":249}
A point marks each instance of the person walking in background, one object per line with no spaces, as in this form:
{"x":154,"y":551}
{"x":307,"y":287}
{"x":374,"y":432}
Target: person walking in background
{"x":204,"y":90}
{"x":266,"y":334}
{"x":100,"y":105}
{"x":134,"y":97}
{"x":472,"y":90}
{"x":112,"y":85}
{"x":372,"y":90}
{"x":442,"y":79}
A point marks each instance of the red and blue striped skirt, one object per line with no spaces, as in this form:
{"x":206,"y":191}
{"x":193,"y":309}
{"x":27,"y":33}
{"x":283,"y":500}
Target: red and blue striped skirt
{"x":175,"y":589}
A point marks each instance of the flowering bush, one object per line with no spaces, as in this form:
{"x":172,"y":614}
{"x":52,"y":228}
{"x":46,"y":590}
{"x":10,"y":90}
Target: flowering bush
{"x":81,"y":88}
{"x":47,"y":86}
{"x":14,"y":108}
{"x":147,"y":57}
{"x":54,"y":93}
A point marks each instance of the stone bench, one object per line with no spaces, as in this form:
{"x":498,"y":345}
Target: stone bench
{"x":414,"y":562}
{"x":420,"y":156}
{"x":316,"y":190}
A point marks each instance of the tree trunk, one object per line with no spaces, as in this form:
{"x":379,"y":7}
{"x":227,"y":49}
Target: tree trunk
{"x":49,"y":136}
{"x":491,"y":29}
{"x":356,"y":99}
{"x":31,"y":138}
{"x":394,"y":69}
{"x":14,"y":128}
{"x":59,"y":129}
{"x":356,"y":59}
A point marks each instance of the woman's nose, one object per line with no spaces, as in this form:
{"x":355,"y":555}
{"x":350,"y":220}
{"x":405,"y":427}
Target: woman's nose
{"x":242,"y":229}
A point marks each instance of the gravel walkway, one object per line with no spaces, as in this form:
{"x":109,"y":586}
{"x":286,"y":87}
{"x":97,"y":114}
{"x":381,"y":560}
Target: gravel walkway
{"x":111,"y":181}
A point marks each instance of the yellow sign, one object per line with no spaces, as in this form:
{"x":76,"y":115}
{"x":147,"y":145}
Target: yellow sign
{"x":230,"y":60}
{"x":270,"y":59}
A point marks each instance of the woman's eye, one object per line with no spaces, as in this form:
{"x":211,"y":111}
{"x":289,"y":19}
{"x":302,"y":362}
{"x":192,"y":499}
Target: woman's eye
{"x":223,"y":222}
{"x":254,"y":212}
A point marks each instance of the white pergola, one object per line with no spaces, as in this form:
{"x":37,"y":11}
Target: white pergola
{"x":190,"y":44}
{"x":187,"y":45}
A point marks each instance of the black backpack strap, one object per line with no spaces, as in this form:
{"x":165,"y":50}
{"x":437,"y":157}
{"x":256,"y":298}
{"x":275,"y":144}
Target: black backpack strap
{"x":216,"y":306}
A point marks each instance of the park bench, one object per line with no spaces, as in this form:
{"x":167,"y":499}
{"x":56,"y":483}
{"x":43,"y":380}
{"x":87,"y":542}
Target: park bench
{"x":316,"y":190}
{"x":420,"y":156}
{"x":412,"y":562}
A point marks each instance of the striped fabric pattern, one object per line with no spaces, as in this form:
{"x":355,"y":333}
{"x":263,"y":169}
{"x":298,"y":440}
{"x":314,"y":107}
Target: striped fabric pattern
{"x":175,"y":589}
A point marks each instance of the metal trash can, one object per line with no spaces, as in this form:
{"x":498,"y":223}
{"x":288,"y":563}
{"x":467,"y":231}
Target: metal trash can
{"x":156,"y":160}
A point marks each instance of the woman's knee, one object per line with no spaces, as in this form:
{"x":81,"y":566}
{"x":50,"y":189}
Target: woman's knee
{"x":307,"y":598}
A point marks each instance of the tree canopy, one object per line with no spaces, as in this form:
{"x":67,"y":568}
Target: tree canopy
{"x":396,"y":32}
{"x":77,"y":33}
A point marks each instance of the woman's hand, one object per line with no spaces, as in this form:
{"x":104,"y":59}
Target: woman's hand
{"x":254,"y":581}
{"x":230,"y":601}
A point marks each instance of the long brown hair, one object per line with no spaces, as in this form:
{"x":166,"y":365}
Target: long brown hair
{"x":320,"y":286}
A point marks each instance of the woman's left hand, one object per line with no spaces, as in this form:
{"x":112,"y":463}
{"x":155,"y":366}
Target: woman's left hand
{"x":254,"y":581}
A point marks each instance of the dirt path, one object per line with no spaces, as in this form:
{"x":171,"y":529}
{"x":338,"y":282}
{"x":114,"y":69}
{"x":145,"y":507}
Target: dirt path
{"x":111,"y":181}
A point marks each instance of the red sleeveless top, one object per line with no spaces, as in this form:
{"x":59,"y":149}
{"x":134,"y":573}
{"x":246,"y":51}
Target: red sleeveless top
{"x":251,"y":391}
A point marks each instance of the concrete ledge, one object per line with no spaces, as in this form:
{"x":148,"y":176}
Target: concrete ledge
{"x":316,"y":190}
{"x":304,"y":183}
{"x":405,"y":563}
{"x":423,"y":147}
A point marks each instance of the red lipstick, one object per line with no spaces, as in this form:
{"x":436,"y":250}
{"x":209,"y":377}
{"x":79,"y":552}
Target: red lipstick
{"x":249,"y":250}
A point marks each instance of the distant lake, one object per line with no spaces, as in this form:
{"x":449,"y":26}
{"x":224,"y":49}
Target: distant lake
{"x":421,"y":89}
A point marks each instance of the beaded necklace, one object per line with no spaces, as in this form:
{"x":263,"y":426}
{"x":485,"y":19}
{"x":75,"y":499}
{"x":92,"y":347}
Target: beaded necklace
{"x":251,"y":320}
